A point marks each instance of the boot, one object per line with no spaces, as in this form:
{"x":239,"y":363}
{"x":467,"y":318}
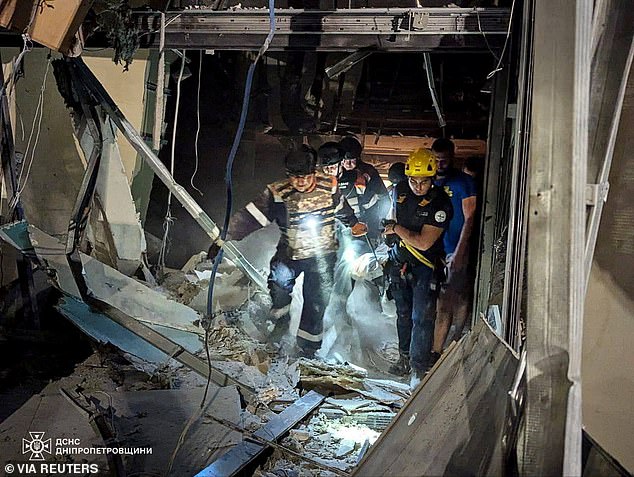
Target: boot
{"x":401,"y":367}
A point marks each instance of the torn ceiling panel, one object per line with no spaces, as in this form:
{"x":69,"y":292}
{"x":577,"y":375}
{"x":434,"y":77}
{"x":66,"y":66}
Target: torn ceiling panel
{"x":454,"y":423}
{"x":165,"y":414}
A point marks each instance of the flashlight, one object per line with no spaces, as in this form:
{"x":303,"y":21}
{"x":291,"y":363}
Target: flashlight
{"x":311,"y":223}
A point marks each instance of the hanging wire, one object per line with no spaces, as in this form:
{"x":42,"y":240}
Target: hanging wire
{"x":486,"y":40}
{"x":169,"y":219}
{"x":200,"y":67}
{"x":229,"y":183}
{"x":506,"y":41}
{"x":28,"y":162}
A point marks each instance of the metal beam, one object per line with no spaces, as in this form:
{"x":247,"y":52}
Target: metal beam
{"x":556,"y":239}
{"x":387,"y":29}
{"x":241,"y":455}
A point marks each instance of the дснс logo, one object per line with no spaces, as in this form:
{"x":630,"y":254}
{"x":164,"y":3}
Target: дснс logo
{"x":36,"y":446}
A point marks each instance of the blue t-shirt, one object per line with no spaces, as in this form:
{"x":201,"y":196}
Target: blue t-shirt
{"x":458,"y":186}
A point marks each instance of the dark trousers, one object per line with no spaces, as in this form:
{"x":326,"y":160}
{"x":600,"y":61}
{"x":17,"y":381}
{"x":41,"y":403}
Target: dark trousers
{"x":318,"y":274}
{"x":415,"y":310}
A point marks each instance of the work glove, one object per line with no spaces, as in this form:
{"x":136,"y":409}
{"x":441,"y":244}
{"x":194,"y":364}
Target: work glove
{"x":359,"y":229}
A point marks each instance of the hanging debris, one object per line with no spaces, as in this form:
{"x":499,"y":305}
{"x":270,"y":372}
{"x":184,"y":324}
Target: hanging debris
{"x":114,"y":19}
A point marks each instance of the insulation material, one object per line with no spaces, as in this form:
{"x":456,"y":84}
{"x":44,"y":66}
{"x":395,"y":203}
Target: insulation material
{"x":454,"y":422}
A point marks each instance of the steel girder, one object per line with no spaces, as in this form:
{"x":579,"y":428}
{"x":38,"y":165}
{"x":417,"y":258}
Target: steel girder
{"x":558,"y":156}
{"x":386,"y":29}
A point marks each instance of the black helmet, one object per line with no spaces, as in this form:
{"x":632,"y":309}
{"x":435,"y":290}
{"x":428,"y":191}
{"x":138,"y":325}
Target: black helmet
{"x":396,"y":172}
{"x":330,"y":153}
{"x":352,"y":147}
{"x":300,"y":162}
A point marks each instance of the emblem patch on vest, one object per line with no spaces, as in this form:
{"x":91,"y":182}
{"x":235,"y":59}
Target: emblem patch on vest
{"x":440,"y":216}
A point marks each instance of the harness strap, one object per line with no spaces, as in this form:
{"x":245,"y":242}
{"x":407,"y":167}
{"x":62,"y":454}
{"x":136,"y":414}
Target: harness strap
{"x":419,"y":256}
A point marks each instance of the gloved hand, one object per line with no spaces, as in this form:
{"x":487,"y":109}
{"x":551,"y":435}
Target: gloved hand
{"x":389,"y":236}
{"x":359,"y":229}
{"x":387,"y":224}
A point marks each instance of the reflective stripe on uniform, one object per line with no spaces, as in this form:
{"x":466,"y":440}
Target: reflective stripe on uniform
{"x":371,"y":202}
{"x":309,"y":337}
{"x":419,"y":256}
{"x":257,"y":214}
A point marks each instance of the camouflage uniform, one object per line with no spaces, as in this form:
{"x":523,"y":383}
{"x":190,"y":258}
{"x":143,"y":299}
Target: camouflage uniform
{"x":307,"y":244}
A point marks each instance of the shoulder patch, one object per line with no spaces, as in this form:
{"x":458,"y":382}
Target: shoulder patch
{"x":440,"y":216}
{"x":401,"y":198}
{"x":448,"y":191}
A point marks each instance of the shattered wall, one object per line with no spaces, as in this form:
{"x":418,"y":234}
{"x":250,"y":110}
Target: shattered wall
{"x":49,"y":189}
{"x":56,"y":169}
{"x":52,"y":165}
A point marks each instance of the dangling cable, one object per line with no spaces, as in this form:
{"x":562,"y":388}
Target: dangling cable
{"x":498,"y":67}
{"x":229,"y":183}
{"x":37,"y":118}
{"x":169,"y":220}
{"x":200,"y":67}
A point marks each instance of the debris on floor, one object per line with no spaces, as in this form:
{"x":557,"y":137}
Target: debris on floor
{"x":144,"y":391}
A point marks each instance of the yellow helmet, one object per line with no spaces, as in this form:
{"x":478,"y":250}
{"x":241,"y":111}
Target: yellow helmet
{"x":421,"y":163}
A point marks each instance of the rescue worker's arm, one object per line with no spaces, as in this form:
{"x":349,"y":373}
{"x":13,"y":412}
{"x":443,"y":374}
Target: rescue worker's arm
{"x":375,"y":194}
{"x":344,"y":212}
{"x":254,"y":216}
{"x":422,"y":240}
{"x":459,"y":259}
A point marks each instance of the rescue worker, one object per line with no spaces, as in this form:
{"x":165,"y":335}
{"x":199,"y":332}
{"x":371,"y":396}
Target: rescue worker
{"x":395,"y":174}
{"x":362,"y":186}
{"x":304,"y":206}
{"x":454,"y":299}
{"x":330,"y":155}
{"x":421,"y":212}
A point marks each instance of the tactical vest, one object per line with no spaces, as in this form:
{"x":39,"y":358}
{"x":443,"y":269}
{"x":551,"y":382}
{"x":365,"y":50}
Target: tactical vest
{"x":309,"y":229}
{"x":413,"y":212}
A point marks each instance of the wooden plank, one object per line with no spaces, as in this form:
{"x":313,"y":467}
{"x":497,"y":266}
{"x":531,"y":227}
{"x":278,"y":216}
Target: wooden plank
{"x":237,"y":458}
{"x":454,"y":422}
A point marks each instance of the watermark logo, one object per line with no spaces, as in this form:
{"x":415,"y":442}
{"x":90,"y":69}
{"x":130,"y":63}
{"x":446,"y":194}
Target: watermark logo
{"x":37,"y":446}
